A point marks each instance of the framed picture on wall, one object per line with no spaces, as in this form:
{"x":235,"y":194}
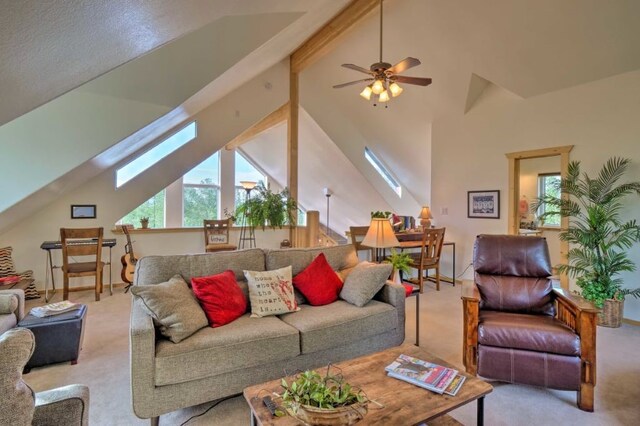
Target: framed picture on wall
{"x":483,"y":204}
{"x":83,"y":211}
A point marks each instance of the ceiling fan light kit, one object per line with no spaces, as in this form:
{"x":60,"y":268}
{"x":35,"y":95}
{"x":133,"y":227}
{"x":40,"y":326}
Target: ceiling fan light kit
{"x":385,"y":77}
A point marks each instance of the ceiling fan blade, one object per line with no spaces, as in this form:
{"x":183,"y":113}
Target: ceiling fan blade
{"x":420,"y":81}
{"x":357,"y":68}
{"x":404,"y":65}
{"x":338,"y":86}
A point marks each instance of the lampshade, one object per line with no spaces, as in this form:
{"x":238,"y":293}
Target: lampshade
{"x":377,"y":87}
{"x":425,"y":217}
{"x":248,"y":185}
{"x":366,"y":93}
{"x":395,"y":89}
{"x":384,"y":96}
{"x":380,"y":234}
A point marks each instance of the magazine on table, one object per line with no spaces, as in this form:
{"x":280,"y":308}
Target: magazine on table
{"x":54,"y":309}
{"x":433,"y":377}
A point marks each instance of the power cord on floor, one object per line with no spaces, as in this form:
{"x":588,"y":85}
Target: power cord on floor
{"x":209,"y":409}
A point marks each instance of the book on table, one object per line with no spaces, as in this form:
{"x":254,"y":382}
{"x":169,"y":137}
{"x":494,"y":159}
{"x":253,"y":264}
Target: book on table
{"x":434,"y":377}
{"x":54,"y":309}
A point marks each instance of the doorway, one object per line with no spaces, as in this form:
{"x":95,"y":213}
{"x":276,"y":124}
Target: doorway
{"x":515,"y":166}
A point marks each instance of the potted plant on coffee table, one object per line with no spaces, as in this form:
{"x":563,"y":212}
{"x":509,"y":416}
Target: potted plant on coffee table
{"x":317,"y":399}
{"x":599,"y":239}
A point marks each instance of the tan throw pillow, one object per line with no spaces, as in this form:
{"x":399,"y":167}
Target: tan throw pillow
{"x":364,"y":281}
{"x":173,"y":307}
{"x":271,"y":292}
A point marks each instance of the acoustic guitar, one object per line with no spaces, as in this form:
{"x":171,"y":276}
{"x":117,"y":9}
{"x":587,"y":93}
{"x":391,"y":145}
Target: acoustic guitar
{"x":128,"y":259}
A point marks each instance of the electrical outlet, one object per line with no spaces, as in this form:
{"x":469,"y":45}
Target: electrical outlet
{"x":444,"y":211}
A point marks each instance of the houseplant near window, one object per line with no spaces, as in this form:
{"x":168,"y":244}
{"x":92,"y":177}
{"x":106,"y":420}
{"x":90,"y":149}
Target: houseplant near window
{"x":323,"y":399}
{"x":268,"y":208}
{"x":598,"y":238}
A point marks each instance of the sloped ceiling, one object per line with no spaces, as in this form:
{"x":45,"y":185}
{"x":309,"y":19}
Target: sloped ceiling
{"x":49,"y":48}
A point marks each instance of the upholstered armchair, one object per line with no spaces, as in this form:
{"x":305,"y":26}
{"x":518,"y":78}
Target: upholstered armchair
{"x":519,"y":327}
{"x":68,"y":405}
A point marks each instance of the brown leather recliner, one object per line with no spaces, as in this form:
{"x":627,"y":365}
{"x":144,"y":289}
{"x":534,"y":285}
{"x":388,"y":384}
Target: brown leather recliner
{"x":519,"y":328}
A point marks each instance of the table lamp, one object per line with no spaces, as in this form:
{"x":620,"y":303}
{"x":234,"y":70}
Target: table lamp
{"x":425,"y":217}
{"x":380,"y":235}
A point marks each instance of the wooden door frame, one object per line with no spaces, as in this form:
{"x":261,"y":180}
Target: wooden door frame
{"x":514,"y":192}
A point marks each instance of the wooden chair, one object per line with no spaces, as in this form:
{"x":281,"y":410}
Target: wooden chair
{"x":82,"y":242}
{"x":216,"y":236}
{"x":357,"y":235}
{"x":429,"y":256}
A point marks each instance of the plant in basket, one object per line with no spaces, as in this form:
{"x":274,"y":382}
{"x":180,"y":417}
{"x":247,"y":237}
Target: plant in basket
{"x":327,"y":399}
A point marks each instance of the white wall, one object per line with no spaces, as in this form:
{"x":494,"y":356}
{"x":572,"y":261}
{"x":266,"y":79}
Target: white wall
{"x":599,"y":118}
{"x":217,"y":125}
{"x":529,"y":170}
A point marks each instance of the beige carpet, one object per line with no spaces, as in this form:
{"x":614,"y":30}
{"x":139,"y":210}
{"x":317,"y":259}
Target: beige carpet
{"x":104,"y":367}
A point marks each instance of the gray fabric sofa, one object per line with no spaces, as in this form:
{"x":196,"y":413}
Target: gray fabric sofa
{"x":11,"y":308}
{"x":218,"y":362}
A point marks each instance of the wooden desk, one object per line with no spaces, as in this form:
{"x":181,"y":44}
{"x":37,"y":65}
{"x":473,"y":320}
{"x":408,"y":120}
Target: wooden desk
{"x":410,"y":240}
{"x":49,"y":266}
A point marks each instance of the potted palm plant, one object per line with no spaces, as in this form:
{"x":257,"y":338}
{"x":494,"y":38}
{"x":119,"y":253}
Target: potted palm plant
{"x":267,"y":208}
{"x":598,"y":238}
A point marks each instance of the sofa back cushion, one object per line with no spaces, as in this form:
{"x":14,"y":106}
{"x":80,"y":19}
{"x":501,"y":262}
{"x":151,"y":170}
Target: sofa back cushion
{"x":339,"y":257}
{"x":512,"y":255}
{"x":157,"y":269}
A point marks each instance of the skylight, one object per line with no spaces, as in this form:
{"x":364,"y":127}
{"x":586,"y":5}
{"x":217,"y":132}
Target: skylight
{"x":383,"y":171}
{"x":155,"y":154}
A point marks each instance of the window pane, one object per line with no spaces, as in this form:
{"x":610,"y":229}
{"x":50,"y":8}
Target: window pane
{"x":208,"y":171}
{"x":383,"y":171}
{"x":153,"y":208}
{"x":200,"y":203}
{"x":246,"y":171}
{"x":549,"y":185}
{"x":155,"y":154}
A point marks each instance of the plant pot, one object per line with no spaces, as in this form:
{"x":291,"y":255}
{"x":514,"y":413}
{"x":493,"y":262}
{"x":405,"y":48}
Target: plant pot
{"x":341,"y":416}
{"x":144,"y":224}
{"x":395,"y":277}
{"x":611,"y":314}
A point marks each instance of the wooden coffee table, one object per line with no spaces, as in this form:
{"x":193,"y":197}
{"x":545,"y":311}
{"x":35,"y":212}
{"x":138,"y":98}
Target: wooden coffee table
{"x":404,"y":403}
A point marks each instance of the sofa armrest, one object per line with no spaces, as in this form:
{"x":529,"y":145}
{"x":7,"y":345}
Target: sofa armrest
{"x":19,"y":294}
{"x":68,"y":405}
{"x":142,"y":334}
{"x":391,"y":293}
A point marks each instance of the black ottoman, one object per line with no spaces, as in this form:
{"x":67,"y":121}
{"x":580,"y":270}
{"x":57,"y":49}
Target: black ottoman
{"x":58,"y":337}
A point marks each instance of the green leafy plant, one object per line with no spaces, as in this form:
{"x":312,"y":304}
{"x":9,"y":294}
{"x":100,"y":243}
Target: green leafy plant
{"x":267,"y":208}
{"x":598,"y":238}
{"x":380,"y":215}
{"x":321,"y":391}
{"x":400,"y":261}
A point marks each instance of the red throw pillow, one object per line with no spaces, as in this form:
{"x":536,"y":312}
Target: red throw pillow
{"x":318,"y":282}
{"x":221,"y":297}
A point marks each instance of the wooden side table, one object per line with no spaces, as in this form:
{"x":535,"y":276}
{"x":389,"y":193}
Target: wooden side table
{"x":22,"y":285}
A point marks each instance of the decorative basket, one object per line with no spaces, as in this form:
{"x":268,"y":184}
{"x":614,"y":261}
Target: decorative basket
{"x":611,"y":314}
{"x":341,"y":416}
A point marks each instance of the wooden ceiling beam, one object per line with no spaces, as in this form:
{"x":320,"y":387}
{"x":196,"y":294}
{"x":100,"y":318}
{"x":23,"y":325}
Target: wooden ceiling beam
{"x":266,"y":123}
{"x":324,"y":39}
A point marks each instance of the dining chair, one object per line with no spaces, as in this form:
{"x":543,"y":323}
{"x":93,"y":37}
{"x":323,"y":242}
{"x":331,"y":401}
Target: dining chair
{"x":357,"y":235}
{"x":216,"y":236}
{"x":82,"y":242}
{"x":429,"y":256}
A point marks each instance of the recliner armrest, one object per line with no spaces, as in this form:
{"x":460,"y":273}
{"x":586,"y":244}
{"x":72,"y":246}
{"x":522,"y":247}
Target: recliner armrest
{"x":68,"y":405}
{"x":576,"y":302}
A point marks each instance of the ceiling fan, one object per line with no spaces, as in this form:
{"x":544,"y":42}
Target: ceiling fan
{"x":384,"y":76}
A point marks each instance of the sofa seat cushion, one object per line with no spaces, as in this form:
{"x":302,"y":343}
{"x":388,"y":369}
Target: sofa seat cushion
{"x":340,"y":323}
{"x":539,"y":333}
{"x":243,"y":343}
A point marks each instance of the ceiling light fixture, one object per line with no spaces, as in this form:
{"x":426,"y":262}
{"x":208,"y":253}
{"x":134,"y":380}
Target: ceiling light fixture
{"x":384,"y":76}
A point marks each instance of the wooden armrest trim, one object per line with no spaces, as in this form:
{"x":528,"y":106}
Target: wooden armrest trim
{"x":470,"y":291}
{"x":576,"y":302}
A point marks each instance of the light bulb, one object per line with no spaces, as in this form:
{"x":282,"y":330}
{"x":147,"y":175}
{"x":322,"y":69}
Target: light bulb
{"x":377,"y":87}
{"x":395,"y":89}
{"x":366,"y":93}
{"x":384,"y":96}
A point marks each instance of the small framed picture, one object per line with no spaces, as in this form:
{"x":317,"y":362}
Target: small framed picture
{"x":483,"y":204}
{"x":83,"y":211}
